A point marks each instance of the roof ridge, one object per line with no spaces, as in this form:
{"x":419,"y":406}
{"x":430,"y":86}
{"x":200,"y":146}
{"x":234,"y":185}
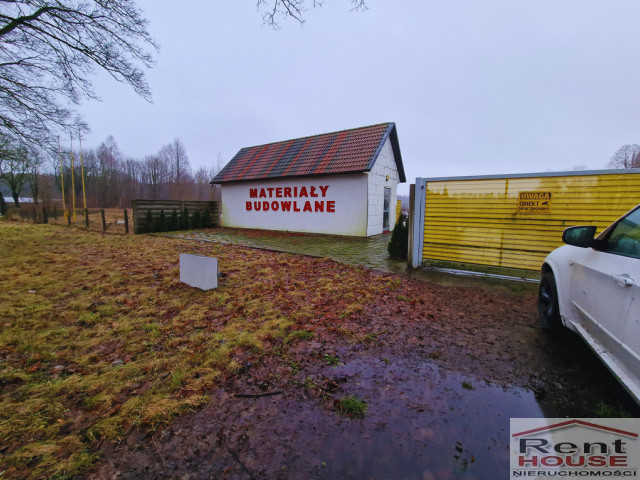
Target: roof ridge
{"x":319,"y":135}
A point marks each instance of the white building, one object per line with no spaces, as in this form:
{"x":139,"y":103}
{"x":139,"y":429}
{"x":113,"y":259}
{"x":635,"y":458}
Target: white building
{"x":341,"y":183}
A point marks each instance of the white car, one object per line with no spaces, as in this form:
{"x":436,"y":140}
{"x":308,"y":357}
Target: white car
{"x":592,"y":286}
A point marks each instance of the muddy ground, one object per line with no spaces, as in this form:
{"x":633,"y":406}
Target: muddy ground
{"x":441,"y":372}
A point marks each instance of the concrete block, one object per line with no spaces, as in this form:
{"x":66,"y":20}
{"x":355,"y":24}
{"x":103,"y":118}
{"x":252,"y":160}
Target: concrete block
{"x":198,"y":271}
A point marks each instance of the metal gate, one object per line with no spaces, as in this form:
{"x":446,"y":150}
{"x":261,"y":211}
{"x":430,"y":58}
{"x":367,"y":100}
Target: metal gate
{"x":512,"y":221}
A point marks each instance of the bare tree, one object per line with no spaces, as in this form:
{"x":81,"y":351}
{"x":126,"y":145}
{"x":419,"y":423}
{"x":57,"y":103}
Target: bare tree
{"x":213,"y":171}
{"x":175,"y":155}
{"x":131,"y":185}
{"x":48,"y":51}
{"x":181,"y":185}
{"x":203,"y":189}
{"x":155,"y":173}
{"x":15,"y":166}
{"x":34,"y":176}
{"x":273,"y":9}
{"x":46,"y":187}
{"x":109,"y":172}
{"x":627,"y":156}
{"x":111,"y":179}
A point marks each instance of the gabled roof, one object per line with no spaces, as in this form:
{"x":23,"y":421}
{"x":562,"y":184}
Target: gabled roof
{"x":346,"y":151}
{"x":569,"y":423}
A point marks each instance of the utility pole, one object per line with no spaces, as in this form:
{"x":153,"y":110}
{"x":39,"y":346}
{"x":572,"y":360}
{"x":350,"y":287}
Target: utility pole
{"x":73,"y":188}
{"x":84,"y":195}
{"x":65,"y":212}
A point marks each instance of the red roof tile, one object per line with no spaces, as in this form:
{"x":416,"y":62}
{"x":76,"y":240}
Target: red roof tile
{"x":346,"y":151}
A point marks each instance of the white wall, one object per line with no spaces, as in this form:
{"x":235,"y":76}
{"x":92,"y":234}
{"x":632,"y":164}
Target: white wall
{"x":348,"y":192}
{"x":376,"y":183}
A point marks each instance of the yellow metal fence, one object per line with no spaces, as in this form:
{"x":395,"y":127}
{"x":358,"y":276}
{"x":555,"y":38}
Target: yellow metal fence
{"x":515,"y":221}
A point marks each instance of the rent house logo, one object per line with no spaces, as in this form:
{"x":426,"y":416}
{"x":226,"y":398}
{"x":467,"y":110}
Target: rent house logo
{"x":556,"y":447}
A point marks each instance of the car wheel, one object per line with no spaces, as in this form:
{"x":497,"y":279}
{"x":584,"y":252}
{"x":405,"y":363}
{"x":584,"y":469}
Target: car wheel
{"x":548,"y":310}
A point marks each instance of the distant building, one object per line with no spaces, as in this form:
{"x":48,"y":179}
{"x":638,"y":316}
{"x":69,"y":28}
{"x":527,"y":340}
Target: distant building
{"x":341,"y":183}
{"x":9,"y":200}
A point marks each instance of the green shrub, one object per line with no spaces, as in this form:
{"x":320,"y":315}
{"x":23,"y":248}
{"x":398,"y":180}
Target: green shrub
{"x":196,"y":220}
{"x":184,"y":220}
{"x":148,"y":226}
{"x":207,"y":221}
{"x":162,"y":222}
{"x":172,"y":224}
{"x":399,"y":243}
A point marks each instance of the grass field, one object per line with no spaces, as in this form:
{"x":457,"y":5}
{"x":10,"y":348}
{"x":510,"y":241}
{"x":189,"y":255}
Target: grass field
{"x":98,"y":336}
{"x":114,"y":218}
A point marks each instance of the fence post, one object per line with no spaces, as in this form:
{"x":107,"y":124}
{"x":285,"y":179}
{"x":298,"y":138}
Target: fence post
{"x":86,"y":217}
{"x":416,"y":228}
{"x":104,"y":223}
{"x":412,"y":214}
{"x":126,"y":222}
{"x":134,"y":212}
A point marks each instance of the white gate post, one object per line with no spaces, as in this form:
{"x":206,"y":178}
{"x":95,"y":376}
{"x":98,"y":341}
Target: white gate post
{"x":418,"y":201}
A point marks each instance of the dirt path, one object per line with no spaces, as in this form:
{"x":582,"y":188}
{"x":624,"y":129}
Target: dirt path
{"x":441,"y":372}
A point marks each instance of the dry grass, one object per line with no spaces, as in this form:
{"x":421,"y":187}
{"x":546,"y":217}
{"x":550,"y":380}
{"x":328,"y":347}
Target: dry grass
{"x":114,"y":218}
{"x":98,"y":336}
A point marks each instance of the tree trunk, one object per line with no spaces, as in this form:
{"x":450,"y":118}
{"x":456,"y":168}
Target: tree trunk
{"x":35,"y":188}
{"x":16,"y":197}
{"x":3,"y":205}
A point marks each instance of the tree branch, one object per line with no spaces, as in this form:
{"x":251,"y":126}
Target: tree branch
{"x":24,"y":20}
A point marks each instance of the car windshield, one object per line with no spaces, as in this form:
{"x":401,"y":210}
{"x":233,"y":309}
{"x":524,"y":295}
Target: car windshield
{"x":624,"y":239}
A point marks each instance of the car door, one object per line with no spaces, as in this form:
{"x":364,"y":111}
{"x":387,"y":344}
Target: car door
{"x":632,"y":325}
{"x":629,"y":232}
{"x":606,"y":285}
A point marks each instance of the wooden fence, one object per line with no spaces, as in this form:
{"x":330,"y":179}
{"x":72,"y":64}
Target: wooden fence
{"x":165,"y":208}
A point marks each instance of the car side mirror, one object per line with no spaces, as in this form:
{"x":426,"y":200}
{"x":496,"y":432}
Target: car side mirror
{"x":579,"y":236}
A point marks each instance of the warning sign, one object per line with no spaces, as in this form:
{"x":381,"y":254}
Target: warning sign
{"x":534,"y":202}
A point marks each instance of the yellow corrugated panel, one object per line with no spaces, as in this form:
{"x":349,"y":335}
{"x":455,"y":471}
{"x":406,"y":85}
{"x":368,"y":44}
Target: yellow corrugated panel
{"x":398,"y":209}
{"x":478,"y":221}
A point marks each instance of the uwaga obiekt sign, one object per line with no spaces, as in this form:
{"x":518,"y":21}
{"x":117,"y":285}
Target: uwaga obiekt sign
{"x":534,"y":202}
{"x":581,"y":447}
{"x":290,"y":199}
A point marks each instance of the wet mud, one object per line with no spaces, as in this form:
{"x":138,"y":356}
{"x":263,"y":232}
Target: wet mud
{"x":441,"y":371}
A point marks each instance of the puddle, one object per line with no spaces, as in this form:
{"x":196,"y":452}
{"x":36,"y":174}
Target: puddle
{"x":421,"y":423}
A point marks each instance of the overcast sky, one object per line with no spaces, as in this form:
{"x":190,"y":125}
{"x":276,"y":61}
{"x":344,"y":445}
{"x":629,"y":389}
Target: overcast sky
{"x":475,"y":87}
